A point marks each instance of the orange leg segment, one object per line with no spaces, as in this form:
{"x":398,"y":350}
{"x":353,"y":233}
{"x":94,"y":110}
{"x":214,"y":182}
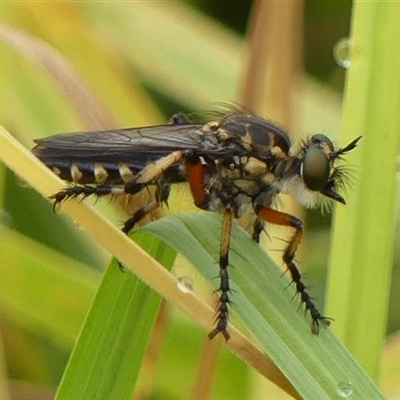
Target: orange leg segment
{"x":283,"y":219}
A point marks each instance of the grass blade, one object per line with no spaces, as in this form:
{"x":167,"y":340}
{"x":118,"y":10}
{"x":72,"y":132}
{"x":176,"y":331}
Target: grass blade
{"x":317,"y":366}
{"x":362,"y":249}
{"x":108,"y":355}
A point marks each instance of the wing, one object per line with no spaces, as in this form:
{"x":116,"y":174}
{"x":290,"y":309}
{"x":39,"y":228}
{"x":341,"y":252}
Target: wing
{"x":77,"y":156}
{"x":160,"y":139}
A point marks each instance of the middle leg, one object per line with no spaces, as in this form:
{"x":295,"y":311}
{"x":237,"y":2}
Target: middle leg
{"x":222,"y":312}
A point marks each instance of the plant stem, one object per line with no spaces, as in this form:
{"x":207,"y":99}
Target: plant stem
{"x":362,"y":248}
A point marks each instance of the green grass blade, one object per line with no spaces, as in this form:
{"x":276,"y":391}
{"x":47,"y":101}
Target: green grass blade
{"x":362,"y":250}
{"x":317,"y":366}
{"x":108,"y":355}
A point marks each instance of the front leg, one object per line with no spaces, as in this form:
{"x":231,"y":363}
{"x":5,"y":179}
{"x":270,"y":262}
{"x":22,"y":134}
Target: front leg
{"x":279,"y":218}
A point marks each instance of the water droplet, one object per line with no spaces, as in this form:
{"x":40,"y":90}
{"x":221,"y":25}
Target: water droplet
{"x":185,"y":284}
{"x":341,"y":52}
{"x":344,"y":389}
{"x":77,"y":226}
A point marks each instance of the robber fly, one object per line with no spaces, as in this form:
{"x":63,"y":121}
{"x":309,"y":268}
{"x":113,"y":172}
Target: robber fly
{"x":236,"y":162}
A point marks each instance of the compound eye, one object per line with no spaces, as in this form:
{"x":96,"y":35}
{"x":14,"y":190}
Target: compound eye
{"x":315,"y":169}
{"x":322,"y":139}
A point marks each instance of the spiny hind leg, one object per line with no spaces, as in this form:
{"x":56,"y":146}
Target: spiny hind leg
{"x":283,"y":219}
{"x":83,"y":191}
